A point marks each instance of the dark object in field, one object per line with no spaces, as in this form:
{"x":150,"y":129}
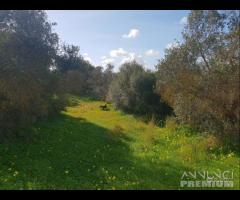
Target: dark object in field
{"x":104,"y":107}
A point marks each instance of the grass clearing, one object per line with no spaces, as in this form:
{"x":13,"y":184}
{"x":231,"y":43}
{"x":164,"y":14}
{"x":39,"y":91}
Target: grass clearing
{"x":87,"y":148}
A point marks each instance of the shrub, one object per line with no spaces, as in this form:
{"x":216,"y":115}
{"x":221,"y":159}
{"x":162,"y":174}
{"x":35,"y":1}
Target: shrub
{"x":199,"y":78}
{"x":28,"y":87}
{"x":133,"y":90}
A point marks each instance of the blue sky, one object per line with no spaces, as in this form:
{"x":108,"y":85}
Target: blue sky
{"x":118,"y":36}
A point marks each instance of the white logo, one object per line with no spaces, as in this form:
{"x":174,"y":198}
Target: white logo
{"x":207,"y":179}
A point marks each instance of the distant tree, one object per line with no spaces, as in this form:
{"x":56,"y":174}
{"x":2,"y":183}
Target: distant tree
{"x":69,"y":59}
{"x":121,"y":92}
{"x":108,"y":76}
{"x":96,"y":83}
{"x":79,"y":77}
{"x":133,"y":90}
{"x":99,"y":81}
{"x":74,"y":70}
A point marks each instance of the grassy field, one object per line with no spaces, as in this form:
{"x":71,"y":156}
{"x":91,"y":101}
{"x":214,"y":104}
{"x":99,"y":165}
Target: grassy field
{"x":87,"y":148}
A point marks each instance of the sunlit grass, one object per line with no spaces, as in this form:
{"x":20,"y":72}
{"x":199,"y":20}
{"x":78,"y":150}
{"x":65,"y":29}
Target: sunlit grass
{"x":87,"y":148}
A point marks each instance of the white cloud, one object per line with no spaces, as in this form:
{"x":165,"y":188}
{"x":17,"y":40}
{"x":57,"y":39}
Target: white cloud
{"x":120,"y":56}
{"x":183,"y":21}
{"x":172,"y":45}
{"x":105,"y":60}
{"x":151,"y":52}
{"x":86,"y":57}
{"x":118,"y":52}
{"x":133,"y":33}
{"x":128,"y":58}
{"x":131,"y":57}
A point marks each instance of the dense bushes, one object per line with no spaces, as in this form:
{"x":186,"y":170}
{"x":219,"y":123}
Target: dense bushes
{"x":200,"y":77}
{"x":81,"y":78}
{"x":28,"y":88}
{"x":132,"y":90}
{"x":36,"y":72}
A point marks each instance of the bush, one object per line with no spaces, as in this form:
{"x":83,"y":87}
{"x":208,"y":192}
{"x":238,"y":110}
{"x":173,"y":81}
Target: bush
{"x":29,"y":89}
{"x":133,"y":90}
{"x":199,"y":78}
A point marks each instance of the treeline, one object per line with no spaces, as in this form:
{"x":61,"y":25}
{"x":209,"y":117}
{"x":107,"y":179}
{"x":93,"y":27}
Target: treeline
{"x":197,"y":81}
{"x":198,"y":78}
{"x":79,"y":77}
{"x":37,"y":72}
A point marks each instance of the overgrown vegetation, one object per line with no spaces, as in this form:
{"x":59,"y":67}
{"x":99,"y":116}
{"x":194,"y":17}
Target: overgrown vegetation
{"x":133,"y":91}
{"x":29,"y":90}
{"x":87,"y":148}
{"x":194,"y":92}
{"x":197,"y":81}
{"x":199,"y":78}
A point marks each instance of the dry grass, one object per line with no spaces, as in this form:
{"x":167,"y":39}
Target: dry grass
{"x":171,"y":123}
{"x":117,"y":133}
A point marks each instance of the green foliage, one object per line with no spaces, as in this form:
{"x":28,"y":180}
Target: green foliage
{"x":79,"y":77}
{"x":28,"y":88}
{"x":74,"y":70}
{"x":199,"y":79}
{"x":133,"y":91}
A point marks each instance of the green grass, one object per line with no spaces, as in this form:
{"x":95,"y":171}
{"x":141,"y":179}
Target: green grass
{"x":86,"y":148}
